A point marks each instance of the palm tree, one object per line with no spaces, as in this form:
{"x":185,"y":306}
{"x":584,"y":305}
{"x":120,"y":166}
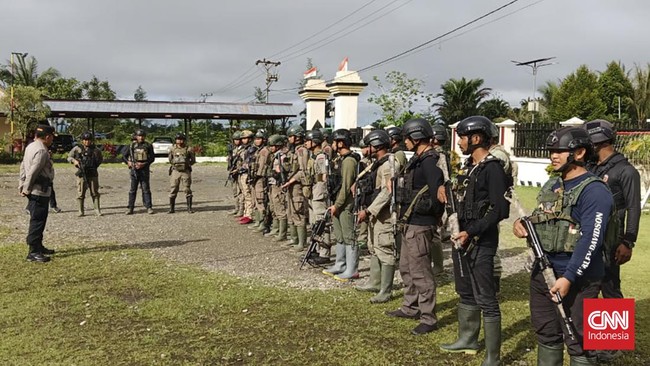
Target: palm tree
{"x":26,"y":73}
{"x":640,"y":99}
{"x":460,"y":99}
{"x":548,"y":90}
{"x":494,"y":108}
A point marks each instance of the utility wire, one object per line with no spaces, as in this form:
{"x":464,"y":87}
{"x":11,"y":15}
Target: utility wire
{"x":410,"y":50}
{"x":413,"y":49}
{"x":322,"y":30}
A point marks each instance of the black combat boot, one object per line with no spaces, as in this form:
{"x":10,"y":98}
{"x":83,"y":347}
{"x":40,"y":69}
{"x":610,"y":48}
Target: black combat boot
{"x":172,"y":205}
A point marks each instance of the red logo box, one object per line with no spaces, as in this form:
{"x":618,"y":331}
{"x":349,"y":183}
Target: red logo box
{"x":608,"y":324}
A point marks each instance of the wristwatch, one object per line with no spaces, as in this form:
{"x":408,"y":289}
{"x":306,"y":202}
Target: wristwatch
{"x":628,"y":244}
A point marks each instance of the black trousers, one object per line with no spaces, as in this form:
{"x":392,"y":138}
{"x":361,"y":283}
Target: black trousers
{"x":140,"y":178}
{"x":53,"y":198}
{"x":38,"y":211}
{"x":474,"y":279}
{"x":611,"y":285}
{"x":546,"y":319}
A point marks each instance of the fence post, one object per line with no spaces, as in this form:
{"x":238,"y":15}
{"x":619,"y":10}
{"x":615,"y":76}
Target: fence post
{"x":454,"y":139}
{"x":507,"y":135}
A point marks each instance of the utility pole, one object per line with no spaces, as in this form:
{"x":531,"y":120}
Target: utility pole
{"x":270,"y":77}
{"x":535,"y":64}
{"x":205,"y":96}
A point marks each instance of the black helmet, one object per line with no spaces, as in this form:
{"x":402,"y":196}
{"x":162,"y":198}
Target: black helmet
{"x":494,"y":131}
{"x":326,"y":132}
{"x":440,"y":132}
{"x":377,"y":139}
{"x":140,"y":132}
{"x":568,"y":139}
{"x":86,"y":136}
{"x":314,"y":135}
{"x":395,"y":133}
{"x":474,"y":124}
{"x":342,"y":135}
{"x":417,"y":129}
{"x":600,"y":130}
{"x":260,"y":134}
{"x":296,"y":131}
{"x":180,"y":136}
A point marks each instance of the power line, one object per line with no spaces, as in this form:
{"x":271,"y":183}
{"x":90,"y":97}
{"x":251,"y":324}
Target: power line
{"x":324,"y":29}
{"x":313,"y":46}
{"x":410,"y":50}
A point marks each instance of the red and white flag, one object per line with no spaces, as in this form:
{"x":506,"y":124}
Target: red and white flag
{"x":343,"y":66}
{"x":310,"y":73}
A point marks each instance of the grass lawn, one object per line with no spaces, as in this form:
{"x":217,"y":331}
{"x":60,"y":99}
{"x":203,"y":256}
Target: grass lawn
{"x":109,"y":305}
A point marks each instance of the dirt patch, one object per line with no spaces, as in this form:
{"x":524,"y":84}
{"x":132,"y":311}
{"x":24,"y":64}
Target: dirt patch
{"x":209,"y":238}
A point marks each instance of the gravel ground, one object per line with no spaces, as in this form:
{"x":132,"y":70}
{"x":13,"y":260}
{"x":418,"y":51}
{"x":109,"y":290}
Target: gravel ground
{"x":209,"y":238}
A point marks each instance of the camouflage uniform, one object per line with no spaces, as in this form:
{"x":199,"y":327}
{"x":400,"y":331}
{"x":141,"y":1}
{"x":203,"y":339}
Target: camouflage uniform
{"x":261,"y":172}
{"x":242,"y":179}
{"x":181,"y":159}
{"x":87,"y":159}
{"x":280,"y":171}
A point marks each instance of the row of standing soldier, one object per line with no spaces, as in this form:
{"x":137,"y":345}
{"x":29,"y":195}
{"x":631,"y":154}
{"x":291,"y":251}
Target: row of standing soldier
{"x":407,"y":207}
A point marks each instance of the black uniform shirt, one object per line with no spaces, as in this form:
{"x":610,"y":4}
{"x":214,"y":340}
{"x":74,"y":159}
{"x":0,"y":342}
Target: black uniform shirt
{"x":426,"y":173}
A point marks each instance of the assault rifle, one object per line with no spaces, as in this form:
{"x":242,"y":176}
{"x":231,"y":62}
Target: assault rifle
{"x":267,"y":217}
{"x":317,"y":230}
{"x":544,"y":264}
{"x":232,"y":172}
{"x":452,"y":214}
{"x":393,"y":203}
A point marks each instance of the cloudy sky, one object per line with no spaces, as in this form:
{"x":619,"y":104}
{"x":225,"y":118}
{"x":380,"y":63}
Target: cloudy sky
{"x":178,"y":50}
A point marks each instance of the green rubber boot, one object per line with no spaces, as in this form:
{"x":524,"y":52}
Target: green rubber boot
{"x":274,"y":228}
{"x":469,"y":324}
{"x":550,"y":355}
{"x":301,"y":232}
{"x":256,"y":218}
{"x":292,"y":234}
{"x":492,"y":330}
{"x":580,"y":361}
{"x":97,"y":207}
{"x":282,"y":231}
{"x":374,"y":280}
{"x":384,"y":295}
{"x":80,"y":202}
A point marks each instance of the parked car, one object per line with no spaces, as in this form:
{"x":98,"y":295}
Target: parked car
{"x":161,"y":145}
{"x":62,"y":143}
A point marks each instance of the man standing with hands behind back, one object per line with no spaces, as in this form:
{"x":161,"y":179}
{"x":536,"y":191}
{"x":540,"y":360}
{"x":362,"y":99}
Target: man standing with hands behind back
{"x":35,"y":183}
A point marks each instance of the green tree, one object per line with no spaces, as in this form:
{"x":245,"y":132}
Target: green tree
{"x":615,"y":90}
{"x":28,"y":109}
{"x":64,"y":88}
{"x":97,"y":90}
{"x":578,"y":96}
{"x":26,"y":73}
{"x":461,"y":98}
{"x":140,"y":95}
{"x":640,"y":100}
{"x":398,"y":96}
{"x":259,"y":95}
{"x":494,"y":108}
{"x":302,"y":82}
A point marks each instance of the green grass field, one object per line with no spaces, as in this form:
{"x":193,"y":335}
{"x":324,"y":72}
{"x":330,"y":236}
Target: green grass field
{"x":102,"y":305}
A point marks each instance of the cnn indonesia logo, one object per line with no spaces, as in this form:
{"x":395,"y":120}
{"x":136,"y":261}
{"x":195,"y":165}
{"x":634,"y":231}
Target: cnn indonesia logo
{"x":608,"y":324}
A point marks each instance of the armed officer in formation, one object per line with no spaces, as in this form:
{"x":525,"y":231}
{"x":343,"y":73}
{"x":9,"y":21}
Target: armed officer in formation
{"x":181,"y":158}
{"x":86,"y":157}
{"x":138,"y":157}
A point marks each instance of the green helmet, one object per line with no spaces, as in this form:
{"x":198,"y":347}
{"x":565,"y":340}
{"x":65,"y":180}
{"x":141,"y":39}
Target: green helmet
{"x":276,"y":140}
{"x":247,"y":134}
{"x":261,"y":134}
{"x":236,"y":135}
{"x":296,"y":131}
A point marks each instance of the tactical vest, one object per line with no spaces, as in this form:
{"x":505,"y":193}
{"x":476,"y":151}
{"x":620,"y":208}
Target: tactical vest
{"x":139,"y":152}
{"x":180,"y":159}
{"x":427,"y":202}
{"x":468,"y":209}
{"x":88,"y":161}
{"x":281,"y":167}
{"x":366,"y":185}
{"x":556,"y":228}
{"x":601,"y":172}
{"x":335,"y":180}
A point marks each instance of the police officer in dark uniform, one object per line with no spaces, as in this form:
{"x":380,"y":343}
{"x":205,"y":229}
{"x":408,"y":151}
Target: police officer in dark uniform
{"x":139,"y":156}
{"x":421,"y":213}
{"x":625,"y":183}
{"x":481,"y":207}
{"x":571,"y":221}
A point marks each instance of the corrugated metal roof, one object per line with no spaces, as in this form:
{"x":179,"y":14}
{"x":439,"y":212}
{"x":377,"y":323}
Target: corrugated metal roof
{"x":161,"y":109}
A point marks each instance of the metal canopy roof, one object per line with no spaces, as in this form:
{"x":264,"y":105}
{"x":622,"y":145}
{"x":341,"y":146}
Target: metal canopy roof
{"x":161,"y":109}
